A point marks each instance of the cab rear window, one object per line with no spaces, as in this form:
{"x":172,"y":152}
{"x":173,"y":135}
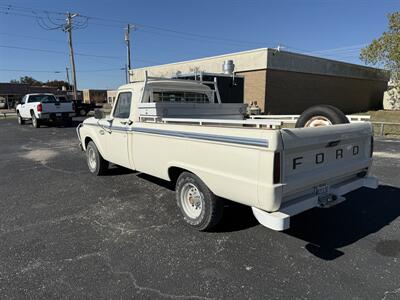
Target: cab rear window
{"x":42,"y":98}
{"x":63,"y":99}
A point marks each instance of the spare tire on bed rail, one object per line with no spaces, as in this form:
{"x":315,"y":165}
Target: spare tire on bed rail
{"x":321,"y":115}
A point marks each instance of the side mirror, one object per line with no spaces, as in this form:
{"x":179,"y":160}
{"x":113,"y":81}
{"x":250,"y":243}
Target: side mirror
{"x":98,"y":114}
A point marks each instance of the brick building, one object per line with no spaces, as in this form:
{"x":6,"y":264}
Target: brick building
{"x":287,"y":83}
{"x":94,"y":96}
{"x":13,"y":92}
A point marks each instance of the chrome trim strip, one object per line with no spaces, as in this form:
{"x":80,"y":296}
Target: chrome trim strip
{"x":205,"y":136}
{"x":192,"y":135}
{"x":78,"y":132}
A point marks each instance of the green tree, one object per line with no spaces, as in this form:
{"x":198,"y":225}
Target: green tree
{"x":59,"y":84}
{"x":28,"y":80}
{"x":385,"y":51}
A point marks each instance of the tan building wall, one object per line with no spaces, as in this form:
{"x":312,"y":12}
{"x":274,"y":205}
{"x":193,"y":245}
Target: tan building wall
{"x":293,"y":92}
{"x":255,"y":87}
{"x":287,"y":83}
{"x":111,"y":94}
{"x":96,"y":96}
{"x":244,"y":61}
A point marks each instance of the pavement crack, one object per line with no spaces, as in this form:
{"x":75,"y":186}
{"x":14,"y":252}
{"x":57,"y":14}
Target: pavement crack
{"x":107,"y":259}
{"x":387,"y":293}
{"x":149,"y":289}
{"x":42,"y":223}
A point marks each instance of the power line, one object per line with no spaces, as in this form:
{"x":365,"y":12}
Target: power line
{"x":31,"y":37}
{"x":340,"y":49}
{"x":59,"y":52}
{"x":139,"y":25}
{"x":151,"y":29}
{"x":76,"y":53}
{"x":57,"y":72}
{"x":35,"y":71}
{"x":49,"y":40}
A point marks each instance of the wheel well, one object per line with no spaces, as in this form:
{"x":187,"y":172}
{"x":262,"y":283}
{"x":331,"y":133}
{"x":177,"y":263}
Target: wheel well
{"x":87,"y":140}
{"x":174,"y":172}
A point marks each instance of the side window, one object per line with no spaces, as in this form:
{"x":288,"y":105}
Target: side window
{"x":123,"y":105}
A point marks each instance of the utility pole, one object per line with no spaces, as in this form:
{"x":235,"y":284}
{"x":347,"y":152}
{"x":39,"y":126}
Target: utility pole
{"x":126,"y":73}
{"x":81,"y":22}
{"x":69,"y":84}
{"x":128,"y":48}
{"x":68,"y":28}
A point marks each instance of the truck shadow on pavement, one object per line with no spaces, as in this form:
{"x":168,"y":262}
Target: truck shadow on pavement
{"x":56,"y":124}
{"x":366,"y":211}
{"x":235,"y":217}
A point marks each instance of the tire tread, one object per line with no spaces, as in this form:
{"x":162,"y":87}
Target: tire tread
{"x":213,"y":204}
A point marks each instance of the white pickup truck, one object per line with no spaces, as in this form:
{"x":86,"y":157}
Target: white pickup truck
{"x":44,"y":107}
{"x":277,"y":171}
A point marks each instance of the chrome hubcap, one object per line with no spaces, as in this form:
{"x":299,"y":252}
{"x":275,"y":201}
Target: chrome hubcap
{"x":91,"y":159}
{"x":192,"y":200}
{"x":318,"y":121}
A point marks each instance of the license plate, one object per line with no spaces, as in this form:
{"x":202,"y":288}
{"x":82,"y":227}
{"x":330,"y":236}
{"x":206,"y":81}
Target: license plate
{"x":322,"y":189}
{"x":58,"y":115}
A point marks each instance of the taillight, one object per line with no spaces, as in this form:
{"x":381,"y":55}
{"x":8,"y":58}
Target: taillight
{"x":371,"y":151}
{"x":277,"y":167}
{"x":39,"y":107}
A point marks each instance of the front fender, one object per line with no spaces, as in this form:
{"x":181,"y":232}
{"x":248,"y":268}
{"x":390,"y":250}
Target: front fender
{"x":88,"y":133}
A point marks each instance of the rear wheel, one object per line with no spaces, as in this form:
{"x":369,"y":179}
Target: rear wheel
{"x":82,"y":112}
{"x":200,"y":208}
{"x":96,"y":163}
{"x":35,"y":121}
{"x":321,"y":115}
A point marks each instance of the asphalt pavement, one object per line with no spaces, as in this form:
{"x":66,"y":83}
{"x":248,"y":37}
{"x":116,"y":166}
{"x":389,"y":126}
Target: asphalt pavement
{"x":67,"y":234}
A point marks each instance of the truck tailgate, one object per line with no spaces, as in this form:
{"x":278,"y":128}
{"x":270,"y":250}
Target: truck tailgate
{"x":320,"y":157}
{"x":61,"y":107}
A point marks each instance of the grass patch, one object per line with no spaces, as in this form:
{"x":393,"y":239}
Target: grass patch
{"x":392,"y":116}
{"x":383,"y":115}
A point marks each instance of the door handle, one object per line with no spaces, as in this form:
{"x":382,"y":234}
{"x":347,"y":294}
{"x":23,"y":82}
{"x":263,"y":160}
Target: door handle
{"x":129,"y":122}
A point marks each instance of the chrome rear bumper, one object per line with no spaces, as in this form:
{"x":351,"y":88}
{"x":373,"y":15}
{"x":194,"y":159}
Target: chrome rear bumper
{"x":280,"y":220}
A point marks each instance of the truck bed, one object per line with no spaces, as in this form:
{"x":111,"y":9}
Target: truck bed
{"x":247,"y":153}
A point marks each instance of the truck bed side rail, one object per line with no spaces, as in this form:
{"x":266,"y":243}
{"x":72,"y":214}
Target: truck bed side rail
{"x":270,"y":124}
{"x":293,"y":118}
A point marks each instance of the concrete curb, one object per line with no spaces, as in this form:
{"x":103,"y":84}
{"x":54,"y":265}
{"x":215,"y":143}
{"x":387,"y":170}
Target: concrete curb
{"x":6,"y":114}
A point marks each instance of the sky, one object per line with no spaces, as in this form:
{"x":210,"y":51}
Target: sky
{"x":32,"y":44}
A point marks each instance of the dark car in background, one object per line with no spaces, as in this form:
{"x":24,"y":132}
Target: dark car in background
{"x":80,"y":108}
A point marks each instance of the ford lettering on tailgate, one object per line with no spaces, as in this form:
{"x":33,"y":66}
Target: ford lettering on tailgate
{"x":308,"y":160}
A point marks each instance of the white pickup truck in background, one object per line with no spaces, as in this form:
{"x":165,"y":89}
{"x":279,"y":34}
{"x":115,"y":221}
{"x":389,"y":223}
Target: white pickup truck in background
{"x":44,"y":107}
{"x":160,"y":127}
